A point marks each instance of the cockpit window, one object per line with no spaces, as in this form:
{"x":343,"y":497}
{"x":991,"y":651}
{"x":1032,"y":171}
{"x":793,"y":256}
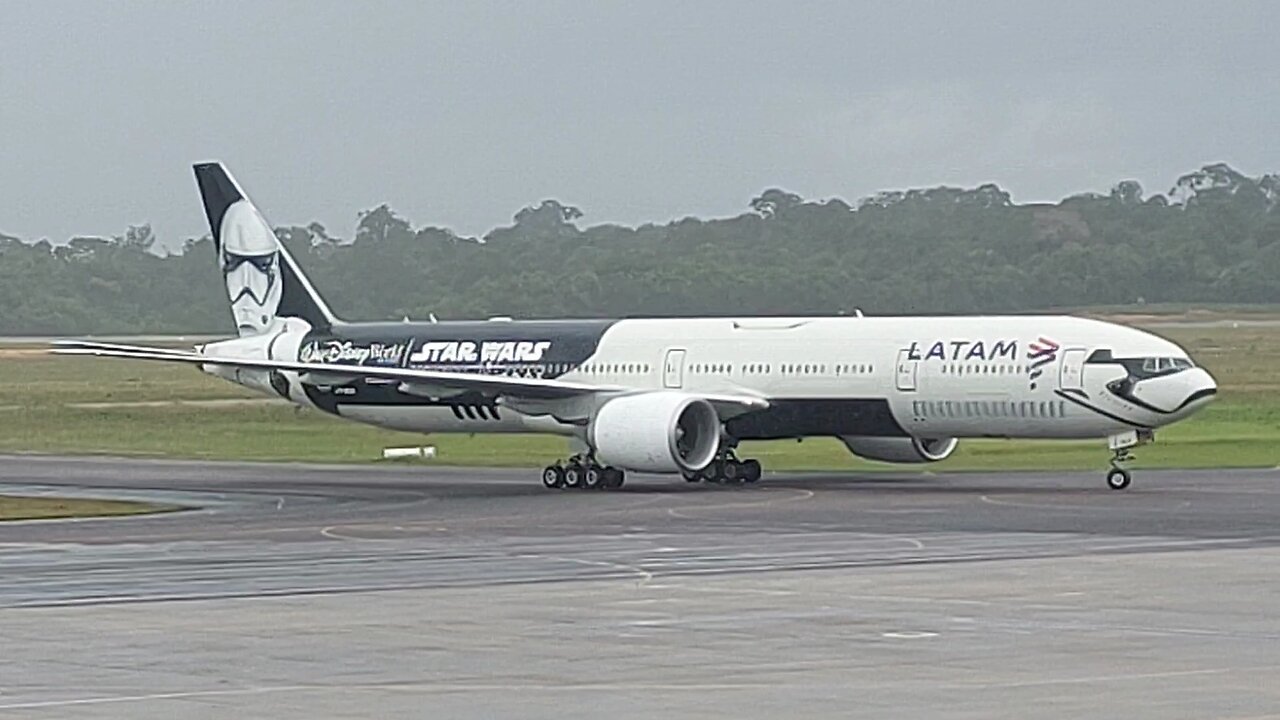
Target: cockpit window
{"x":1154,"y":366}
{"x":1143,"y":367}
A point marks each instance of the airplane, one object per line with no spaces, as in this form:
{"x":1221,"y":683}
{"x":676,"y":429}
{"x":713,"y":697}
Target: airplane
{"x":678,"y":395}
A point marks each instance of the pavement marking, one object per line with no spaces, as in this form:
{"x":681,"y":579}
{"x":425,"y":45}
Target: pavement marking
{"x":644,"y":575}
{"x":802,"y":494}
{"x":444,"y":687}
{"x":107,"y":699}
{"x":1119,"y":677}
{"x":329,"y":533}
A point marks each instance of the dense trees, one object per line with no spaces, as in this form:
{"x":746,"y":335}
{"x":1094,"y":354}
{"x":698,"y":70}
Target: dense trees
{"x":1215,"y":237}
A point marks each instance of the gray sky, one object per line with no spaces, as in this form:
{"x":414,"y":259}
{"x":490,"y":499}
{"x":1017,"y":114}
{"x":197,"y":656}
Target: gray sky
{"x":460,"y":113}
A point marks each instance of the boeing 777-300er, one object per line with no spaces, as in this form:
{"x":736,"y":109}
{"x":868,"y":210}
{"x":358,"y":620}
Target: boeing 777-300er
{"x":678,"y":395}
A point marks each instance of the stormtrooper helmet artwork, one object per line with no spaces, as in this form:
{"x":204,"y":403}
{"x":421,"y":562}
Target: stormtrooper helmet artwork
{"x":251,"y":266}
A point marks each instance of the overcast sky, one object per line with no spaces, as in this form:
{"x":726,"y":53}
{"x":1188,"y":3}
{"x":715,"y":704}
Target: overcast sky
{"x":460,"y":113}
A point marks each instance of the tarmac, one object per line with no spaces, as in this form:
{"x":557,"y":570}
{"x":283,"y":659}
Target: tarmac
{"x":308,"y":591}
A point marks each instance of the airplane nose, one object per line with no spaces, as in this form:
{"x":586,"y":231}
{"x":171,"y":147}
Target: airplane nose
{"x":1173,"y":396}
{"x":1201,"y":387}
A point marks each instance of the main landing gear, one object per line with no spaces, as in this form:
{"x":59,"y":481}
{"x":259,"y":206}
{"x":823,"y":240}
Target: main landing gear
{"x":727,"y":469}
{"x":582,"y":473}
{"x":1121,"y":452}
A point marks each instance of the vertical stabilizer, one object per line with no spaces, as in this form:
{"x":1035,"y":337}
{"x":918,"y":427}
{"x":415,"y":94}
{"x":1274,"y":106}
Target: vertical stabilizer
{"x":263,"y":282}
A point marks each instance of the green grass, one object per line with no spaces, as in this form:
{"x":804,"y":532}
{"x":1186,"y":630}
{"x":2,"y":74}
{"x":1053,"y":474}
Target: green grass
{"x":48,"y":508}
{"x":38,"y":393}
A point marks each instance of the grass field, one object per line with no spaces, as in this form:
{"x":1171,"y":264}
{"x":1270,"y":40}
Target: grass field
{"x":86,"y":406}
{"x":42,"y":508}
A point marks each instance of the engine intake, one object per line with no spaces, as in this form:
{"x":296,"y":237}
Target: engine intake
{"x":900,"y":450}
{"x":662,"y":432}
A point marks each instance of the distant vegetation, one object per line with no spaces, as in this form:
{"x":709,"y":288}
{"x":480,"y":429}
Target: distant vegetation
{"x":1213,"y":238}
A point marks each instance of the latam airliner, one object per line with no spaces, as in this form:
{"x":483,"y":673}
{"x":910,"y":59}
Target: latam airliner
{"x":678,"y":395}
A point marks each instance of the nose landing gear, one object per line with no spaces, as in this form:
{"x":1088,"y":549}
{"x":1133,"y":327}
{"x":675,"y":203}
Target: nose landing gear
{"x":1121,"y":445}
{"x":1118,"y":478}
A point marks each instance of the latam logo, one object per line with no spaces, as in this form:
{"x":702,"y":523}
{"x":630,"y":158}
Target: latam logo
{"x":963,"y":350}
{"x":461,"y":351}
{"x":1040,"y":353}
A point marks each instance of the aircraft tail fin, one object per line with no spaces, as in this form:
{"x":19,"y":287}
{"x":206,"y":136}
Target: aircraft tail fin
{"x":263,"y":282}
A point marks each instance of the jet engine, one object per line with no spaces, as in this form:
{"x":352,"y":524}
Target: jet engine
{"x":900,"y":449}
{"x":663,"y":432}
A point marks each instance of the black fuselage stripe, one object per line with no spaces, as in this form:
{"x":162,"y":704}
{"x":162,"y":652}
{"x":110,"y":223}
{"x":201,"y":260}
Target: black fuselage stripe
{"x":1197,"y":395}
{"x":1100,"y":411}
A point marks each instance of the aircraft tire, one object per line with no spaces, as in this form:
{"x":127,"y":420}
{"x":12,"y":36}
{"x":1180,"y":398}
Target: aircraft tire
{"x":751,"y":470}
{"x":731,"y":471}
{"x":553,"y":477}
{"x":1118,"y":479}
{"x":613,"y":478}
{"x":708,"y":473}
{"x":714,"y":472}
{"x":573,"y":476}
{"x":593,"y":478}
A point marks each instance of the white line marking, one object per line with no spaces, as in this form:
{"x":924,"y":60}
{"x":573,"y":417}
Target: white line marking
{"x":1113,"y":678}
{"x":410,"y":686}
{"x":330,"y":533}
{"x":151,"y":696}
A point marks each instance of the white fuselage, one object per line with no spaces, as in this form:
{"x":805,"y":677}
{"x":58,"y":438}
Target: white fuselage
{"x":961,"y":377}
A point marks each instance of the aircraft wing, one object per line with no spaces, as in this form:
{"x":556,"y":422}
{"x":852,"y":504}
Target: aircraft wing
{"x":337,"y":373}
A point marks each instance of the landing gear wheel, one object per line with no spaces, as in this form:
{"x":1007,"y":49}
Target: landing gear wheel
{"x":593,"y":478}
{"x":692,"y":476}
{"x":751,"y":470}
{"x":731,"y":471}
{"x":573,"y":476}
{"x":1118,"y":479}
{"x":714,"y":472}
{"x":553,"y":477}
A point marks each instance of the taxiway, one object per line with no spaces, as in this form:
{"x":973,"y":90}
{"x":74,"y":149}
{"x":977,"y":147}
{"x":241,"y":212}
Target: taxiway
{"x":353,"y":591}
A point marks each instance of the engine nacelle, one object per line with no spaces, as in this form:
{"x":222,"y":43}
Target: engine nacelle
{"x":901,"y":449}
{"x":662,"y":432}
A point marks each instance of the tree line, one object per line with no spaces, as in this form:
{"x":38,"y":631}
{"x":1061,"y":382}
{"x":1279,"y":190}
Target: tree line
{"x":1214,"y":237}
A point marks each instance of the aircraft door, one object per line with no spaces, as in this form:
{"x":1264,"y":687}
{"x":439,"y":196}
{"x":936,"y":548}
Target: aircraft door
{"x":1071,"y":376}
{"x":906,"y":371}
{"x":673,"y":369}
